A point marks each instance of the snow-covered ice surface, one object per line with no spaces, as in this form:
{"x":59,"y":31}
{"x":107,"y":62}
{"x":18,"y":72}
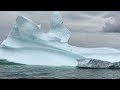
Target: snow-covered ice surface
{"x":26,"y":44}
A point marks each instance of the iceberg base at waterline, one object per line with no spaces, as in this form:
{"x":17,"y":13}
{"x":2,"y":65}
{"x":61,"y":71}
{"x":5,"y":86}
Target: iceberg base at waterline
{"x":38,"y":56}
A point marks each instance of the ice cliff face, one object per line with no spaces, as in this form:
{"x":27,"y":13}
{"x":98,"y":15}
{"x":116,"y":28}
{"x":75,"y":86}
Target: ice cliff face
{"x":26,"y":44}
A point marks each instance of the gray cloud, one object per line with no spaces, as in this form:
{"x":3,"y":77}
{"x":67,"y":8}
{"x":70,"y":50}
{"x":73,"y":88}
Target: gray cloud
{"x":82,"y":21}
{"x":86,"y":21}
{"x":95,"y":39}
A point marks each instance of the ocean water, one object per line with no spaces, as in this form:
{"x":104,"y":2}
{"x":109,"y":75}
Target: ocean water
{"x":45,"y":72}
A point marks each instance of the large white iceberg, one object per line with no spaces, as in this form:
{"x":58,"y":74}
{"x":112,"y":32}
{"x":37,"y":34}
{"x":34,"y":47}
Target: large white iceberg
{"x":27,"y":44}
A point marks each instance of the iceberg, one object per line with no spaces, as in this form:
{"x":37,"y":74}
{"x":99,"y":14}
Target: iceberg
{"x":94,"y":63}
{"x":27,"y":44}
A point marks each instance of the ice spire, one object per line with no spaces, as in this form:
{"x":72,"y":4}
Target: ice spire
{"x":56,"y":19}
{"x":57,"y":26}
{"x":24,"y":28}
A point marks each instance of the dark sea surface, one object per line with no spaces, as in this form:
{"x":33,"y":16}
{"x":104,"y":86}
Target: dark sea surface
{"x":45,"y":72}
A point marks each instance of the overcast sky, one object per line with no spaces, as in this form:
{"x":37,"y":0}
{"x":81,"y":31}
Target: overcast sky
{"x":89,"y":28}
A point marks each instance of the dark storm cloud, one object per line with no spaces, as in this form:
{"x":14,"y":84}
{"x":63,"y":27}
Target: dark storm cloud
{"x":115,"y":26}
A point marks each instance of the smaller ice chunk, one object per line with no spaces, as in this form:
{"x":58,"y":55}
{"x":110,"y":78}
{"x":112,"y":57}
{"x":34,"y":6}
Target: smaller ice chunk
{"x":93,"y":63}
{"x":115,"y":65}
